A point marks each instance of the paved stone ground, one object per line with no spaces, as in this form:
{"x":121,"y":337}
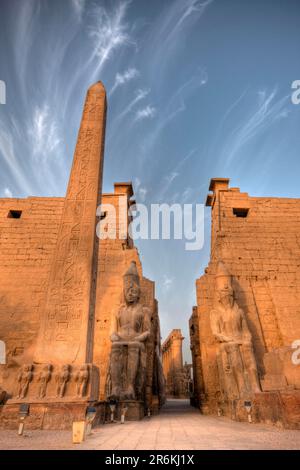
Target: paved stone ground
{"x":178,"y":427}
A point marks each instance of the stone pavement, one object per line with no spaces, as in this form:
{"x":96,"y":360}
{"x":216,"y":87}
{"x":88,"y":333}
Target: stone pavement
{"x":178,"y":427}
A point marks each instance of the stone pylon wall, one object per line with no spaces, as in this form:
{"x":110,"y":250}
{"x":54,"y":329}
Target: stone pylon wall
{"x":258,"y":240}
{"x":173,"y":363}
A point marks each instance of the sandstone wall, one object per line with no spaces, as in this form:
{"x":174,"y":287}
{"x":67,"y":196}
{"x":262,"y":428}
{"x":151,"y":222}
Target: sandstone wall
{"x":27,"y":245}
{"x":258,"y":239}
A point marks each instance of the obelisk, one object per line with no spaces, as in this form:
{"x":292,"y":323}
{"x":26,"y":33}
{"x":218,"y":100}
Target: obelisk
{"x":66,"y":331}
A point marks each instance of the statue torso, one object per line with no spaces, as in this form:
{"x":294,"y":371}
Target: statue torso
{"x":130,"y":321}
{"x":230,"y":321}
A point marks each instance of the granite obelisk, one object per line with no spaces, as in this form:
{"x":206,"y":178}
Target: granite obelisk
{"x":66,"y":331}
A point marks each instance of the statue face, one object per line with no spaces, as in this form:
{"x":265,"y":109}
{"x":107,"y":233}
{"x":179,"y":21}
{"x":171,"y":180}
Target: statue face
{"x":131,"y":291}
{"x":226,"y":296}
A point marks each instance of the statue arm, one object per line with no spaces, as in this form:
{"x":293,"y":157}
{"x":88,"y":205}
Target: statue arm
{"x":114,"y":329}
{"x":146,"y":326}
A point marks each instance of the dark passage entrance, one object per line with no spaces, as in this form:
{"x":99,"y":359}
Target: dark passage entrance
{"x":177,"y":405}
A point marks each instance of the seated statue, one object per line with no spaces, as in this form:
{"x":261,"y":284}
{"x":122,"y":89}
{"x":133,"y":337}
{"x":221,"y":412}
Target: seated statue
{"x":130,"y":330}
{"x":236,"y":361}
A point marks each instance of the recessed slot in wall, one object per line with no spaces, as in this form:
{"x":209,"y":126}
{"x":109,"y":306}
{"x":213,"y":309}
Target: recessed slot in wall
{"x":14,"y":214}
{"x":240,"y":212}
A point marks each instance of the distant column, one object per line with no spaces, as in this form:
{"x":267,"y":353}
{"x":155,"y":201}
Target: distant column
{"x":177,"y":351}
{"x":173,"y":362}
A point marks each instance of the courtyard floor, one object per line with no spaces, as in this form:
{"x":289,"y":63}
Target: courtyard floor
{"x":177,"y":427}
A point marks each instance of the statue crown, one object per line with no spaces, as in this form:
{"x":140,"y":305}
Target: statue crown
{"x":133,"y":272}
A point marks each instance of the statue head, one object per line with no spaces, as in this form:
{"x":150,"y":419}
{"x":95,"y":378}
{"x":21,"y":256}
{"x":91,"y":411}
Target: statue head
{"x":131,"y":281}
{"x":225,"y":293}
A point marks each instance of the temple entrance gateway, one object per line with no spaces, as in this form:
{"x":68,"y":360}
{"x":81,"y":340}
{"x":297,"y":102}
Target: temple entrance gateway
{"x":80,"y":338}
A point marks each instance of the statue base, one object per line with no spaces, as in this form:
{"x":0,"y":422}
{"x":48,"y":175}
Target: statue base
{"x":135,"y":411}
{"x":52,"y":415}
{"x":280,"y":408}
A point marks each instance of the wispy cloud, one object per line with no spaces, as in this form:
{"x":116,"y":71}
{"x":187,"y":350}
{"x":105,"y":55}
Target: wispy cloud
{"x":79,"y":6}
{"x":108,"y":33}
{"x":145,"y":113}
{"x":43,"y":133}
{"x":267,"y":112}
{"x":166,"y":183}
{"x":190,"y":9}
{"x":139,"y":95}
{"x":9,"y":158}
{"x":176,"y":19}
{"x":139,"y":190}
{"x":7,"y":192}
{"x":167,"y":282}
{"x":175,"y":106}
{"x":122,"y":78}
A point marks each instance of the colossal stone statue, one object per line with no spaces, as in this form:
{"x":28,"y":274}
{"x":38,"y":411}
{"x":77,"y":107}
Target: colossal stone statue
{"x":236,"y":361}
{"x":130,"y":330}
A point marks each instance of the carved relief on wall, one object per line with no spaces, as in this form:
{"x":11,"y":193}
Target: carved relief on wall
{"x":52,"y":383}
{"x":82,"y":378}
{"x":43,"y":379}
{"x":62,"y":378}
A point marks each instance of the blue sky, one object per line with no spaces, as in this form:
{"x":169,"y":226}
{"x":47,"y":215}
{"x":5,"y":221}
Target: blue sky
{"x":196,"y":89}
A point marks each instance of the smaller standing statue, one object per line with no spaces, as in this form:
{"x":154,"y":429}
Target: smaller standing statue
{"x":3,"y":396}
{"x":130,"y":331}
{"x":82,"y":378}
{"x":43,"y":379}
{"x":236,"y":361}
{"x":62,"y":378}
{"x":24,"y":378}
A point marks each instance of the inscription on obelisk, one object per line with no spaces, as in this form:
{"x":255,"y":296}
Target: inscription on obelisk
{"x":67,"y":324}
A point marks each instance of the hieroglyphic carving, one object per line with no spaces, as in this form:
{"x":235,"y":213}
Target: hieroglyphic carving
{"x":70,"y":285}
